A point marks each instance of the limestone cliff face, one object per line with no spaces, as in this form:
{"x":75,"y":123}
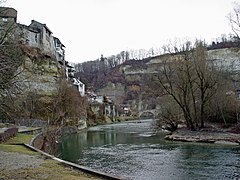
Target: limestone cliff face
{"x":38,"y":82}
{"x":134,"y":74}
{"x":40,"y":75}
{"x":228,"y":58}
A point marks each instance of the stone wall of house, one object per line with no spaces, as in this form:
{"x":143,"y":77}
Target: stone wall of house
{"x":48,"y":45}
{"x":33,"y":38}
{"x":29,"y":38}
{"x":37,"y":35}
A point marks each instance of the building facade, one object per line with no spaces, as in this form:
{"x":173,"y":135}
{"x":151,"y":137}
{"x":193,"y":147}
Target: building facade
{"x":38,"y":35}
{"x":8,"y":15}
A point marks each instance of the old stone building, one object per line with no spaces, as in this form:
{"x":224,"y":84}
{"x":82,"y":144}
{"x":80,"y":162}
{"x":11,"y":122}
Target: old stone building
{"x":8,"y":15}
{"x":59,"y":50}
{"x":8,"y":26}
{"x":38,"y":35}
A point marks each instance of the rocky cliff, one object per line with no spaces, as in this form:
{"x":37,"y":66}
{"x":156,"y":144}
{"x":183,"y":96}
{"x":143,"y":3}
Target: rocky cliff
{"x":33,"y":87}
{"x":40,"y":72}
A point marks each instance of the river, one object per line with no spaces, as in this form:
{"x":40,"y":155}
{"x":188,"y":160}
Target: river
{"x":134,"y":150}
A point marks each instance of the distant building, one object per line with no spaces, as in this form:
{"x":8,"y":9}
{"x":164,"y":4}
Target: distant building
{"x":38,"y":35}
{"x":8,"y":18}
{"x":91,"y":96}
{"x":8,"y":15}
{"x":101,"y":105}
{"x":80,"y":86}
{"x":69,"y":72}
{"x":59,"y":50}
{"x":99,"y":99}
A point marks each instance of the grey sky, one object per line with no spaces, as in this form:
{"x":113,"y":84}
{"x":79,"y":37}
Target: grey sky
{"x":89,"y":28}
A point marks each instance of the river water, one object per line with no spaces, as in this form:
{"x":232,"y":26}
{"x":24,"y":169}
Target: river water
{"x":134,"y":150}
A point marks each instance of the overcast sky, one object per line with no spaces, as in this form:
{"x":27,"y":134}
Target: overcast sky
{"x":89,"y":28}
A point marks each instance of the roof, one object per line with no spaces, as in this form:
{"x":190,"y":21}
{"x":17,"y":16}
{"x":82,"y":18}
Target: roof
{"x":22,"y":26}
{"x":40,"y":24}
{"x":70,"y":65}
{"x":8,"y":12}
{"x":56,"y":39}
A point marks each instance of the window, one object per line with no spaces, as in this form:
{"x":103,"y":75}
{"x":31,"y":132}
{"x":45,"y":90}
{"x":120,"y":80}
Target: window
{"x":36,"y":37}
{"x":4,"y":19}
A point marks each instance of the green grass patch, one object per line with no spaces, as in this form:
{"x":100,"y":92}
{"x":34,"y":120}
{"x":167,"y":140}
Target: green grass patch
{"x":56,"y":170}
{"x":49,"y":169}
{"x":17,"y":148}
{"x":20,"y":138}
{"x":9,"y":146}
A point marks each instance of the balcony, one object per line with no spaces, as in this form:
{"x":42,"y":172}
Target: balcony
{"x":60,"y":51}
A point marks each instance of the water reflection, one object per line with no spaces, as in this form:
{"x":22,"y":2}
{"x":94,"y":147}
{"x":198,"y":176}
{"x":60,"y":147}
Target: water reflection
{"x":135,"y":151}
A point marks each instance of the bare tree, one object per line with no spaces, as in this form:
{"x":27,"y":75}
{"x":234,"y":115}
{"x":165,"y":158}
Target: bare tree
{"x":186,"y":77}
{"x":170,"y":115}
{"x":206,"y":80}
{"x":234,"y":19}
{"x":11,"y":57}
{"x":68,"y":106}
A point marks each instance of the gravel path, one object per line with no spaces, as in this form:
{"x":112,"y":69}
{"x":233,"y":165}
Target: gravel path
{"x":12,"y":160}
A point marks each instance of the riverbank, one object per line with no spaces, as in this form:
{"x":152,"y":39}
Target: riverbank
{"x":211,"y":134}
{"x":18,"y":162}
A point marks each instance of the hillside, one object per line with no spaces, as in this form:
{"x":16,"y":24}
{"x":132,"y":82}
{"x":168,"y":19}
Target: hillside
{"x":128,"y":83}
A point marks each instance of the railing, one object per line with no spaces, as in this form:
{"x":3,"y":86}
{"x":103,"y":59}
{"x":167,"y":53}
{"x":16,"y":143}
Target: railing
{"x":59,"y":51}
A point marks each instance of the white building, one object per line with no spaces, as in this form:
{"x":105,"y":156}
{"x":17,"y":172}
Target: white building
{"x":80,"y":86}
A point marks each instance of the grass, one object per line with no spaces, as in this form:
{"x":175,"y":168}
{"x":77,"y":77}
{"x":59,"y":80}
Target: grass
{"x":10,"y":145}
{"x":17,"y":148}
{"x":49,"y":169}
{"x":20,"y":138}
{"x":62,"y":172}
